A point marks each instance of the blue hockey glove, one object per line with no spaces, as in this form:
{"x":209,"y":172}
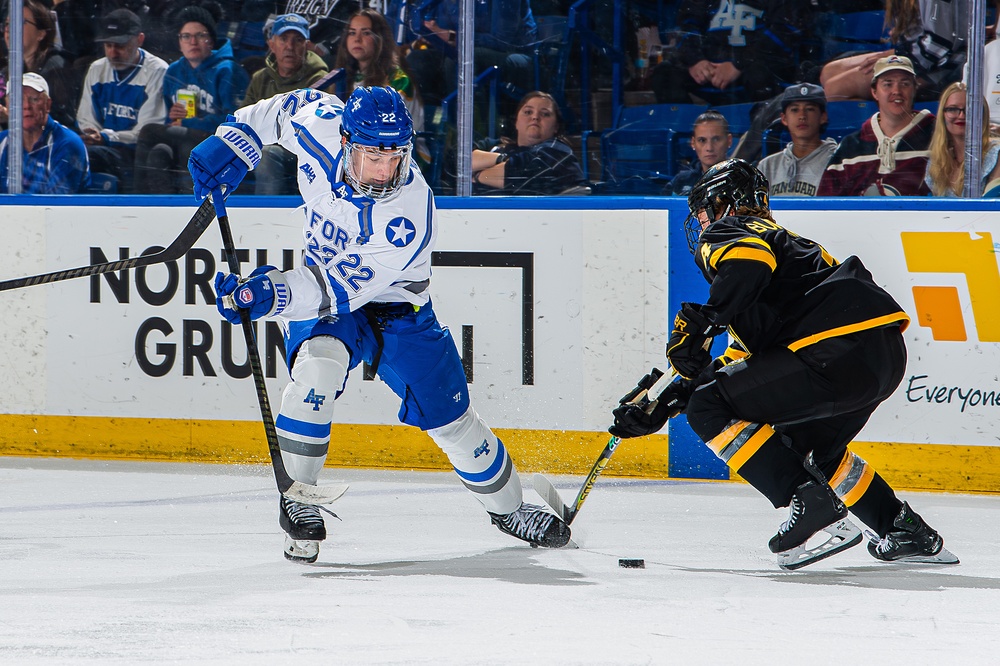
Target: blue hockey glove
{"x":264,"y":293}
{"x":221,"y":162}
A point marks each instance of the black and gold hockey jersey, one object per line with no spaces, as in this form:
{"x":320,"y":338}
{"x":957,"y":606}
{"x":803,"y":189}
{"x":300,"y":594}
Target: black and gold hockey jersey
{"x":774,"y":288}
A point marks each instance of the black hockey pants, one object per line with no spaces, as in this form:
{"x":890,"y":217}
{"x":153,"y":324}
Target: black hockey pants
{"x":816,"y":399}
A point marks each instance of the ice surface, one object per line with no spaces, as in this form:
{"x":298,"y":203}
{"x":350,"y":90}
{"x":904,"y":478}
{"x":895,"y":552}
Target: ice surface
{"x":125,"y":563}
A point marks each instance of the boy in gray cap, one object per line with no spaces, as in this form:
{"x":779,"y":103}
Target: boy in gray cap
{"x":797,"y":170}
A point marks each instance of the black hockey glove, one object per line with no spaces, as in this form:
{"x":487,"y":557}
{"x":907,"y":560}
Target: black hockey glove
{"x":687,"y":348}
{"x":636,"y":416}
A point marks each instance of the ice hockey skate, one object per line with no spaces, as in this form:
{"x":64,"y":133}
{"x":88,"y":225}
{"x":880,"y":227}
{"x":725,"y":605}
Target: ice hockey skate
{"x":913,"y":540}
{"x":535,"y":525}
{"x":304,"y":529}
{"x":814,"y":508}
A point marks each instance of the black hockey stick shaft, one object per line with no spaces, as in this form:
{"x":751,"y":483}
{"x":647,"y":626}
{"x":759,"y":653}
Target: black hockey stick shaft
{"x":280,"y":474}
{"x":177,"y":249}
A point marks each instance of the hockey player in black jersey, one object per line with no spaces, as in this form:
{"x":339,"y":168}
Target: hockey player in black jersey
{"x":816,"y":346}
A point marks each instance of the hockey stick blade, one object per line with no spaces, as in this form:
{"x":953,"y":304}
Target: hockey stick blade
{"x":306,"y":494}
{"x":178,"y":248}
{"x":551,"y":496}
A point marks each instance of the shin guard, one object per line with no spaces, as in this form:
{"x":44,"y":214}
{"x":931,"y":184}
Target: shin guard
{"x":481,"y":460}
{"x":303,"y":423}
{"x":756,"y":452}
{"x":865,"y":493}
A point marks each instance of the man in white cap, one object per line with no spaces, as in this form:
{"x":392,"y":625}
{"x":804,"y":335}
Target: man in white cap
{"x":55,"y":159}
{"x":888,"y":155}
{"x":797,"y":170}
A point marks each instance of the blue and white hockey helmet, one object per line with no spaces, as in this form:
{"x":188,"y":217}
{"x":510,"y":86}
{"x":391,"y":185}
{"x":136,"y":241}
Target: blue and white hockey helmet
{"x":378,"y":141}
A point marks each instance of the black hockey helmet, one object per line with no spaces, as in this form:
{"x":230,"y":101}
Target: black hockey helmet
{"x":727,"y":186}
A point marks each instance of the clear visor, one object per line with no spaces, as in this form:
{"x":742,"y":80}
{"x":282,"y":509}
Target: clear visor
{"x":376,"y":172}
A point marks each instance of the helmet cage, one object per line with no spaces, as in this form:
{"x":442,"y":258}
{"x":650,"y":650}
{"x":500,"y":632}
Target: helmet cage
{"x":357,"y":156}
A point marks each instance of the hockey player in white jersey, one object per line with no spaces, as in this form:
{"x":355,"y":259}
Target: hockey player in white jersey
{"x":362,"y":295}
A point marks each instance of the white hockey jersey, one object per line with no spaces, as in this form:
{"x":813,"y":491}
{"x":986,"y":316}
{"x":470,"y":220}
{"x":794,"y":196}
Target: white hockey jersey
{"x":120,"y":104}
{"x":357,"y":249}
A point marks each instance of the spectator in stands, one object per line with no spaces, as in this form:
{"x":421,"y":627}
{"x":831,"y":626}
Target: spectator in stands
{"x":368,"y":55}
{"x":122,"y":93}
{"x":289,"y":66}
{"x":199,"y":90}
{"x":55,"y":159}
{"x":504,"y":29}
{"x":931,"y":33}
{"x":888,"y":155}
{"x":42,"y":57}
{"x":537,"y":161}
{"x":797,"y":170}
{"x":710,"y":141}
{"x":946,"y":169}
{"x":991,"y":78}
{"x":327,"y":20}
{"x":729,"y":53}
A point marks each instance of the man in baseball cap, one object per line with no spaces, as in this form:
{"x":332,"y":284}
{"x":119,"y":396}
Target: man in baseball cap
{"x":289,"y":66}
{"x":118,"y":27}
{"x":888,"y":155}
{"x":890,"y":64}
{"x":804,"y":92}
{"x":122,"y":92}
{"x":286,"y":22}
{"x":55,"y":159}
{"x":798,"y":169}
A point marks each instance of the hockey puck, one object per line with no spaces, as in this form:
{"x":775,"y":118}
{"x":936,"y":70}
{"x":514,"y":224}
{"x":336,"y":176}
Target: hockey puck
{"x":631,"y":564}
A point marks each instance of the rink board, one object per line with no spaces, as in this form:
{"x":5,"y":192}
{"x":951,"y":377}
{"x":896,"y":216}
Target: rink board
{"x":557,"y":305}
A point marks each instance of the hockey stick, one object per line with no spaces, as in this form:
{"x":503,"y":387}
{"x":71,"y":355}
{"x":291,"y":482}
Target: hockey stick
{"x":551,"y":496}
{"x":177,"y":249}
{"x":293,"y":490}
{"x":543,"y":486}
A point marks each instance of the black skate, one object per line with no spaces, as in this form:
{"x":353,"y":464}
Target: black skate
{"x":814,"y":508}
{"x":304,"y":529}
{"x":535,"y":525}
{"x":913,"y":540}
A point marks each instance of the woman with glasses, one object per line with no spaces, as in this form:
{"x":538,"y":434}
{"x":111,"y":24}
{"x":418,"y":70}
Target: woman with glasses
{"x":41,"y":57}
{"x":946,"y":169}
{"x":199,"y":90}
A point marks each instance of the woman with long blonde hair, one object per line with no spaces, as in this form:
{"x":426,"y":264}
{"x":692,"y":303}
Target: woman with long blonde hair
{"x":946,"y":169}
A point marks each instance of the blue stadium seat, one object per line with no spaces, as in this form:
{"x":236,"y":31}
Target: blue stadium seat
{"x":640,"y":153}
{"x":853,"y":31}
{"x":102,"y":183}
{"x":845,"y":118}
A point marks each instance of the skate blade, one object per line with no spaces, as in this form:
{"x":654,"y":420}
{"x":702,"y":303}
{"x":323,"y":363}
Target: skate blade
{"x":305,"y":552}
{"x":945,"y":556}
{"x":843,"y":535}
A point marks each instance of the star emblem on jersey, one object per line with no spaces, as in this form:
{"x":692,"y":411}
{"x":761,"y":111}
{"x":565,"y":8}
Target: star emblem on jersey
{"x":400,"y":231}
